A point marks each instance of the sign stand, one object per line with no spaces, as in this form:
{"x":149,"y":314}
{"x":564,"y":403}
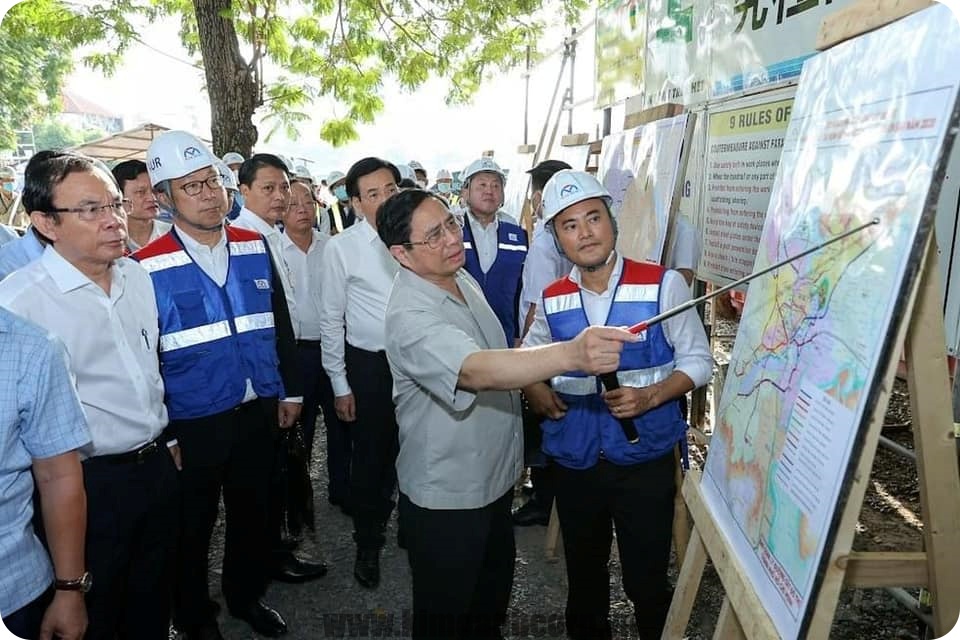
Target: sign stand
{"x":938,"y":568}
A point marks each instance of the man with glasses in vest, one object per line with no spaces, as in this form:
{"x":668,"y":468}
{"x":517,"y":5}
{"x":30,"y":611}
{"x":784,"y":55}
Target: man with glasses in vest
{"x":601,"y":479}
{"x":224,"y":327}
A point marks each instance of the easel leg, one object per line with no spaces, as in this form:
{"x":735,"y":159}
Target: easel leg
{"x":728,"y":626}
{"x":688,"y":583}
{"x":930,"y":400}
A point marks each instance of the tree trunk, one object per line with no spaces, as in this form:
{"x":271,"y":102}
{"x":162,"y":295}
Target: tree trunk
{"x":230,"y":84}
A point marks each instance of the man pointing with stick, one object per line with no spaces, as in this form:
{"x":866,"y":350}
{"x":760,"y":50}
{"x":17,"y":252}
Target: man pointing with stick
{"x":460,"y":428}
{"x":602,"y":477}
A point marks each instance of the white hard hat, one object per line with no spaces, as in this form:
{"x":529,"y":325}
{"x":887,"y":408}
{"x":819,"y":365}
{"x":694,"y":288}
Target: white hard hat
{"x":7,"y":173}
{"x":568,"y":187}
{"x":335,"y":176}
{"x":406,"y":172}
{"x":302,"y":173}
{"x":287,"y":162}
{"x":174,"y":154}
{"x":233,"y":157}
{"x":443,"y":174}
{"x":226,"y":176}
{"x":416,"y":166}
{"x":483,"y":165}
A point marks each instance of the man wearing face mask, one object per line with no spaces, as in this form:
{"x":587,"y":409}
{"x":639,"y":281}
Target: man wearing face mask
{"x":7,"y":197}
{"x":420,"y":174}
{"x":342,"y":212}
{"x":443,"y":187}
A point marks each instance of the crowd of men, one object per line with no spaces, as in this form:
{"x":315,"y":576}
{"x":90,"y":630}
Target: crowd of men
{"x":164,"y":323}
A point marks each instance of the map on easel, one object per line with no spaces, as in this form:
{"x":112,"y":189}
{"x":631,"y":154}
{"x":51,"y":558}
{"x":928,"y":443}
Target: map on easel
{"x":640,"y":167}
{"x":866,"y":137}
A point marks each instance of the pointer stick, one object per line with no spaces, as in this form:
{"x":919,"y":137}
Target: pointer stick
{"x":610,"y":381}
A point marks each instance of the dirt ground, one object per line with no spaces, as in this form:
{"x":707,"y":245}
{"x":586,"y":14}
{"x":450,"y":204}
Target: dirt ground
{"x":336,"y":606}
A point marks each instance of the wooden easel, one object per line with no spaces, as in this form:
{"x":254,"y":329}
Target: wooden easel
{"x":938,"y":568}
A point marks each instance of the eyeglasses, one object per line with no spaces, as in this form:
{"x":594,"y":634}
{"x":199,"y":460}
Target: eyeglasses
{"x":95,"y":211}
{"x":194,"y":188}
{"x":432,"y":240}
{"x":296,"y":206}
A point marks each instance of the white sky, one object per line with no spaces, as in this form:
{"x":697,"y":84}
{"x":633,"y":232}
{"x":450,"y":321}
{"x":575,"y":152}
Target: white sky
{"x":155,"y":85}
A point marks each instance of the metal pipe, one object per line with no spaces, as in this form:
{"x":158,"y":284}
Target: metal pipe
{"x":526,"y":100}
{"x":898,"y":449}
{"x":911,"y":603}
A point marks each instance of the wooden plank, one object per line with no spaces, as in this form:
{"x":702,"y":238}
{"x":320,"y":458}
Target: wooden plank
{"x":742,"y":595}
{"x":862,"y":17}
{"x":825,"y":605}
{"x":525,"y":149}
{"x":574,"y":139}
{"x":868,"y":570}
{"x":688,"y":583}
{"x":728,"y":625}
{"x":659,"y":112}
{"x":930,"y":404}
{"x":553,"y":535}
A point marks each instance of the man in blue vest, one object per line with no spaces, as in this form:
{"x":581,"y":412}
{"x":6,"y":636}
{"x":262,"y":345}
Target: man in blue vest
{"x":224,"y":327}
{"x":602,"y":479}
{"x":495,"y":245}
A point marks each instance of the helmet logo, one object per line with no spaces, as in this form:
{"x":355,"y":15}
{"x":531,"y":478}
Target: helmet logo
{"x":191,"y":152}
{"x":569,"y":189}
{"x":155,"y":163}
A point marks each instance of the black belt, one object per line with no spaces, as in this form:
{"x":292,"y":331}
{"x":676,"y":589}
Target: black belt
{"x":137,"y":456}
{"x":309,"y":343}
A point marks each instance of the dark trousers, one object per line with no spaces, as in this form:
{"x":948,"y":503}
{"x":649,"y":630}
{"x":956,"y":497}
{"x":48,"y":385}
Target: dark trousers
{"x":534,"y":457}
{"x":638,"y":500}
{"x":317,"y":390}
{"x":132,"y":525}
{"x":373,"y":473}
{"x":232,"y":451}
{"x":462,"y":566}
{"x":25,"y":621}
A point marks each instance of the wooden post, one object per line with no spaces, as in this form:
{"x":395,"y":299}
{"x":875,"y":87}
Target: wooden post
{"x":930,"y":403}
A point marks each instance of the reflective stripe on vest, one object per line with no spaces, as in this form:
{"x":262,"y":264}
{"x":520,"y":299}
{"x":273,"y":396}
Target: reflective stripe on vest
{"x":512,"y":247}
{"x":565,"y":302}
{"x":194,"y":336}
{"x":638,"y":378}
{"x":165,"y":261}
{"x":247,"y":247}
{"x":253,"y":322}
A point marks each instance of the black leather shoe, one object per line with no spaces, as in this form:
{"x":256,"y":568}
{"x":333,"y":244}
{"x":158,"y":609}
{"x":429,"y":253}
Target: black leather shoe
{"x":293,"y":569}
{"x":367,"y":568}
{"x":531,"y":513}
{"x":263,"y":619}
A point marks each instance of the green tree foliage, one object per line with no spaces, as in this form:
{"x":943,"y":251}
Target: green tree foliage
{"x":299,"y":51}
{"x":283,"y":55}
{"x":37,"y":41}
{"x":51,"y":134}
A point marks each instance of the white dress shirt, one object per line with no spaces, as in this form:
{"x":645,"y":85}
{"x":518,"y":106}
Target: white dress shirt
{"x":247,"y":219}
{"x":111,"y":342}
{"x":215,"y":261}
{"x":485,"y":240}
{"x":356,"y":279}
{"x":159,"y":228}
{"x":305,"y":270}
{"x":684,"y":331}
